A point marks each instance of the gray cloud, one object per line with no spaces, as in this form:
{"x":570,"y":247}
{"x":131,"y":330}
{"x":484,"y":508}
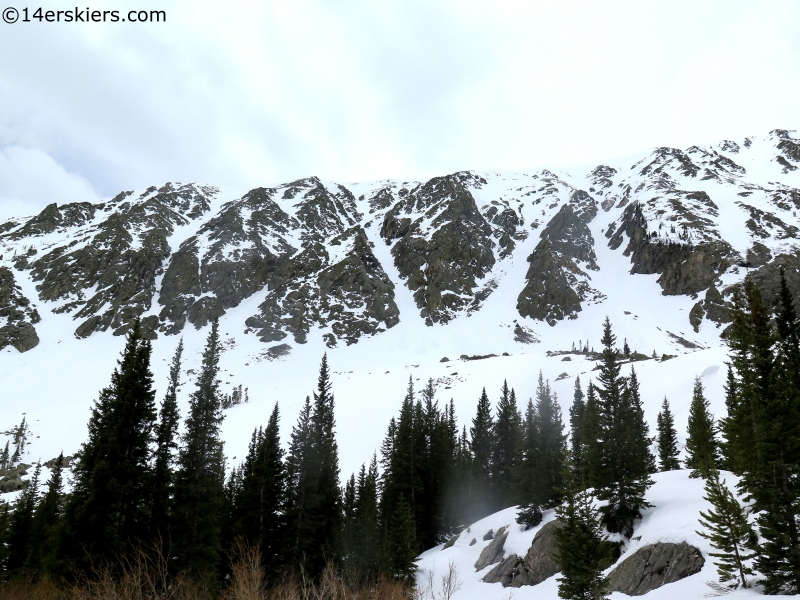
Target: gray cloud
{"x":249,"y":93}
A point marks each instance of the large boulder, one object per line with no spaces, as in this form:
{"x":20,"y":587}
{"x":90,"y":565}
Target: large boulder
{"x":493,"y":552}
{"x":652,"y":566}
{"x":538,"y":564}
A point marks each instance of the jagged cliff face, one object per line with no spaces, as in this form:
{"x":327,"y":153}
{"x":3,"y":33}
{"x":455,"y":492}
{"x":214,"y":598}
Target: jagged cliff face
{"x":314,"y":258}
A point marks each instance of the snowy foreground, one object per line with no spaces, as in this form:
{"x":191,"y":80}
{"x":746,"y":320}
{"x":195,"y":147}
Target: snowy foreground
{"x":677,"y":501}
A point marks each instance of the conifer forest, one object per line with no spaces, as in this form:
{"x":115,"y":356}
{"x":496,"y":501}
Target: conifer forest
{"x":154,"y":503}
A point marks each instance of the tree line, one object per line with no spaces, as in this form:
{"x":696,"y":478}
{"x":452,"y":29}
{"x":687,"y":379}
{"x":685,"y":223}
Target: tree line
{"x":138,"y":484}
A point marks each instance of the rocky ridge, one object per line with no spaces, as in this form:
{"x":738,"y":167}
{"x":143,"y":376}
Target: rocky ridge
{"x":308,"y":251}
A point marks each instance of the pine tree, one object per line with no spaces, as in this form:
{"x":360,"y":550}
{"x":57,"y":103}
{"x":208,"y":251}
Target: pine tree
{"x":729,"y":532}
{"x":593,"y":475}
{"x":529,"y":462}
{"x":482,"y":444}
{"x":626,"y":460}
{"x":198,"y":497}
{"x":299,"y":482}
{"x":109,"y":508}
{"x":45,"y":529}
{"x":778,"y":493}
{"x":580,"y":550}
{"x":315,"y":503}
{"x":552,"y":447}
{"x":5,"y":458}
{"x":761,"y":429}
{"x":258,"y":517}
{"x":702,"y":448}
{"x":577,"y":442}
{"x":21,"y":525}
{"x":401,"y":547}
{"x":667,"y":439}
{"x":507,"y":438}
{"x":166,"y":450}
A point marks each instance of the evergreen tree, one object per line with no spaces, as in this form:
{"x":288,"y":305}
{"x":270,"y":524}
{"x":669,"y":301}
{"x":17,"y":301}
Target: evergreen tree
{"x":362,"y":539}
{"x":166,"y":450}
{"x":258,"y":511}
{"x":552,"y":446}
{"x":5,"y":458}
{"x":761,"y":429}
{"x":401,"y":547}
{"x":728,"y":530}
{"x":529,"y":463}
{"x":315,"y":503}
{"x":21,"y":525}
{"x":577,"y":442}
{"x":667,"y":439}
{"x":592,"y":433}
{"x":198,"y":497}
{"x":580,"y":550}
{"x":702,"y":448}
{"x":45,"y":529}
{"x":626,"y":460}
{"x":299,"y":484}
{"x":482,"y":444}
{"x":507,"y":438}
{"x":109,"y":507}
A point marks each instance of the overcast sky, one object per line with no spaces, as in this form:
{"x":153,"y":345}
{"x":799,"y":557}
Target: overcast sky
{"x":246,"y":94}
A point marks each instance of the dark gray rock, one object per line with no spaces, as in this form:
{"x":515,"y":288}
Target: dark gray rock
{"x":537,"y":565}
{"x":684,"y":268}
{"x":493,"y":552}
{"x":652,"y":566}
{"x":19,"y":314}
{"x":118,"y":258}
{"x":555,"y":282}
{"x":442,"y":265}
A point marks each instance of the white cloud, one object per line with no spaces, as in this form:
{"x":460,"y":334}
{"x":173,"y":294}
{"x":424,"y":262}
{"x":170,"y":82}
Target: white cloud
{"x":248,"y":93}
{"x":30,"y":180}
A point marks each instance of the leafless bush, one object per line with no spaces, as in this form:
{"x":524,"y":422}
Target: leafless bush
{"x":449,"y":584}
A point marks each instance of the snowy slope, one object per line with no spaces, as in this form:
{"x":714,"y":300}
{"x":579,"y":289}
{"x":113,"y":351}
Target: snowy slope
{"x":677,"y":501}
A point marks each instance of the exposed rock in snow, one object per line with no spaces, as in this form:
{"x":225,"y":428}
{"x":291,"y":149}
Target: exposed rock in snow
{"x":652,"y":566}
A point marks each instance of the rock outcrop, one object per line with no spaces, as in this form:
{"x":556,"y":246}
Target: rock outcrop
{"x":443,"y":245}
{"x":493,"y":553}
{"x":539,"y":563}
{"x":19,"y":314}
{"x":555,"y":283}
{"x":652,"y":566}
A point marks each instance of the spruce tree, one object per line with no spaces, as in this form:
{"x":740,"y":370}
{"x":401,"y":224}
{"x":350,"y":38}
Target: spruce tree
{"x":315,"y":503}
{"x":580,"y":549}
{"x":482,"y":444}
{"x":577,"y":442}
{"x":729,"y":531}
{"x":761,"y":430}
{"x":299,"y":484}
{"x":401,"y":546}
{"x":198,"y":497}
{"x":166,"y":451}
{"x":45,"y":555}
{"x":19,"y":538}
{"x":779,"y":556}
{"x":667,"y":439}
{"x":258,"y":517}
{"x":593,"y":475}
{"x":507,"y":438}
{"x":109,"y":508}
{"x":626,"y":460}
{"x":702,"y":448}
{"x":552,"y":446}
{"x":527,"y":480}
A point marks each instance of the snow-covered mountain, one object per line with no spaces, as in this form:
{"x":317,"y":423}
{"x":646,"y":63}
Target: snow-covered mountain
{"x":396,"y":279}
